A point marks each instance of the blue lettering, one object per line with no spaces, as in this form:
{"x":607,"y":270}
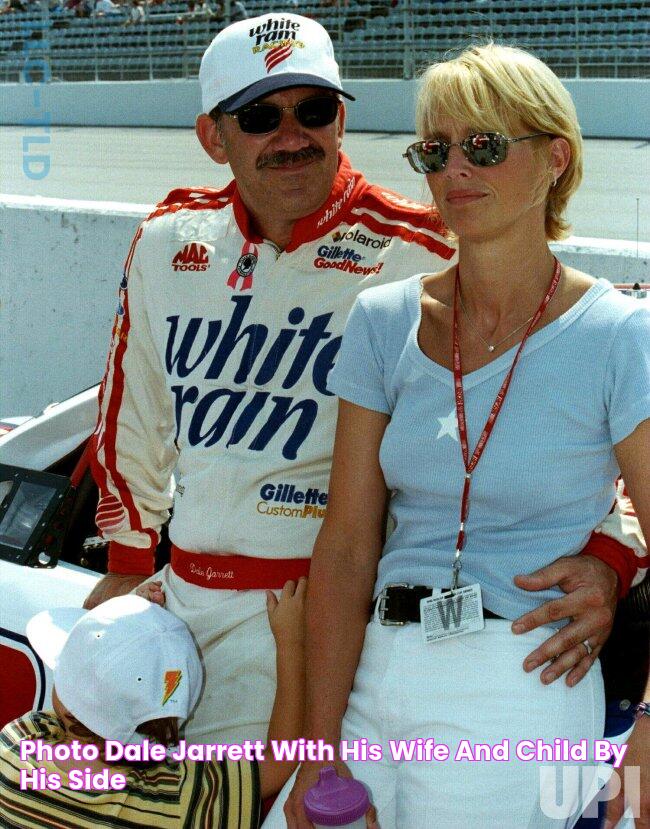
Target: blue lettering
{"x":324,"y":363}
{"x":186,"y":349}
{"x":312,"y":335}
{"x":246,"y":418}
{"x":281,"y":413}
{"x":256,"y":338}
{"x":182,"y":355}
{"x":279,"y":349}
{"x":215,"y":432}
{"x":238,"y":415}
{"x":190,"y":395}
{"x":283,"y":410}
{"x":267,"y":492}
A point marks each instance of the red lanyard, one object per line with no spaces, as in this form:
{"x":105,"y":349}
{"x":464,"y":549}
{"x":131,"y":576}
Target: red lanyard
{"x":470,"y":464}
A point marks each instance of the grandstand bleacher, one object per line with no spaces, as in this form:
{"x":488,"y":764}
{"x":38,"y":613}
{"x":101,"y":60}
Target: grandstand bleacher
{"x":373,"y":38}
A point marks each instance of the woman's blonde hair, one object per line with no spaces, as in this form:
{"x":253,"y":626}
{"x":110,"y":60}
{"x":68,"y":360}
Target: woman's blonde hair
{"x":497,"y":88}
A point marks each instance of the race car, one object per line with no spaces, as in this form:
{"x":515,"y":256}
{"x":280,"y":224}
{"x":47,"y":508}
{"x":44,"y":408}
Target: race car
{"x":43,"y":515}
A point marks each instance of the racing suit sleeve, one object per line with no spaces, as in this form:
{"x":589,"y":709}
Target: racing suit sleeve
{"x":619,"y":542}
{"x":133,"y":453}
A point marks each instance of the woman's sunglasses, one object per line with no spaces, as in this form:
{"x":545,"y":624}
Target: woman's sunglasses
{"x":311,"y":113}
{"x":483,"y":149}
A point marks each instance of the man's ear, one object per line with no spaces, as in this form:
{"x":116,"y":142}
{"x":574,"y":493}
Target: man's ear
{"x":341,"y":124}
{"x":210,"y":136}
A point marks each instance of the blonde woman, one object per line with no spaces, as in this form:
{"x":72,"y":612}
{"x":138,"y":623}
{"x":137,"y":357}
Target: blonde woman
{"x":489,"y":409}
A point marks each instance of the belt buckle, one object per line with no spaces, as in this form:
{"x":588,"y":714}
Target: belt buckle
{"x":383,"y":599}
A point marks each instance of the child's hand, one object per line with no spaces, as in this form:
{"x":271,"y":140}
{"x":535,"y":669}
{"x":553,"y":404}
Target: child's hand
{"x":287,"y":614}
{"x":152,"y":591}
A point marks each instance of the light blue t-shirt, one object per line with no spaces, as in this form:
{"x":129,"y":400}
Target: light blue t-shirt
{"x":546,"y":477}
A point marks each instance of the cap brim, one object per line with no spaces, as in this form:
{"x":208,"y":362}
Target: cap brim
{"x":48,"y":631}
{"x":273,"y":84}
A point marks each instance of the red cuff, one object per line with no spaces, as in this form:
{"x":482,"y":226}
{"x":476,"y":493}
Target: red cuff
{"x":130,"y":561}
{"x":619,"y":557}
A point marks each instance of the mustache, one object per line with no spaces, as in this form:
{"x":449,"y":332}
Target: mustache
{"x":284,"y":157}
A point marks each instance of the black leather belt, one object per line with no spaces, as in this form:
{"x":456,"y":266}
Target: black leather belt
{"x":400,"y":603}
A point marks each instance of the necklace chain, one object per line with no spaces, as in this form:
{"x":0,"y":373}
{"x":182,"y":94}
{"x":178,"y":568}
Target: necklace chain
{"x":490,"y":346}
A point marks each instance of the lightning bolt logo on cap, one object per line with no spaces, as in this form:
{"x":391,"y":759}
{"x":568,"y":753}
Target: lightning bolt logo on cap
{"x":171,"y":682}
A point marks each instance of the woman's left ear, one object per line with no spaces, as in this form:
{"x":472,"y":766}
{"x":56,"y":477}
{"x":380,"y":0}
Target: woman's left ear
{"x":560,"y":157}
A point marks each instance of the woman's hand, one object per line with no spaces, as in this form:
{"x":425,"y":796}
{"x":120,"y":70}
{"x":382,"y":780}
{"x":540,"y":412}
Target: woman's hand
{"x":294,"y":810}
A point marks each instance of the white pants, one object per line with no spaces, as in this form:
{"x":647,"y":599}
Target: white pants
{"x":232,"y":631}
{"x":473,"y":688}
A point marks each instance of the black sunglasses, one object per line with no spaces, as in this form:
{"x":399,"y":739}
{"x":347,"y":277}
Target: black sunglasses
{"x":483,"y":149}
{"x":311,"y":113}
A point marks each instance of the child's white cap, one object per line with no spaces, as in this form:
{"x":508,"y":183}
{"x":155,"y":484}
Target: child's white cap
{"x":117,"y":666}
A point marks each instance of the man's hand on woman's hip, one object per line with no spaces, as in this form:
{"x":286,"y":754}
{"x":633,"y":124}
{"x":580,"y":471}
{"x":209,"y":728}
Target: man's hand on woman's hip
{"x":590,"y":603}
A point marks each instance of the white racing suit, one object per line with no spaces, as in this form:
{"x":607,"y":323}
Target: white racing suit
{"x":217,"y":376}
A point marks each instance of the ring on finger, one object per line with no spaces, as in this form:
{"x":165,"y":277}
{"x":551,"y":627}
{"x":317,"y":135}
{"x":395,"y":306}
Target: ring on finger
{"x":588,"y":647}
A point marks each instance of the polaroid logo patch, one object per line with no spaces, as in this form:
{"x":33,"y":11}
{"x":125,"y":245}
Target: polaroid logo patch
{"x":362,"y":239}
{"x":193,"y":257}
{"x":287,"y":501}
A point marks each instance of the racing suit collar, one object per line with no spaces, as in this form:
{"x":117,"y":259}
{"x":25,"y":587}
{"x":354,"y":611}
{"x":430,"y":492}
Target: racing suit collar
{"x":348,"y":187}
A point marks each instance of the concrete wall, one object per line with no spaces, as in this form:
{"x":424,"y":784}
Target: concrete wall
{"x":606,"y":108}
{"x":60,"y":267}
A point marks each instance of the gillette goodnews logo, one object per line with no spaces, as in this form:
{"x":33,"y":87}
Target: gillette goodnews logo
{"x":344,"y":259}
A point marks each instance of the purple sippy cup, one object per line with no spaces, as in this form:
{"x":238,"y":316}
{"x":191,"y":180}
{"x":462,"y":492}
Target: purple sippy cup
{"x":336,"y":801}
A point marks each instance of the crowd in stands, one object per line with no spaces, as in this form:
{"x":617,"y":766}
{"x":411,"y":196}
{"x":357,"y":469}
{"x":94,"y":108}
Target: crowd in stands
{"x":7,"y":6}
{"x":135,"y":11}
{"x":381,"y":38}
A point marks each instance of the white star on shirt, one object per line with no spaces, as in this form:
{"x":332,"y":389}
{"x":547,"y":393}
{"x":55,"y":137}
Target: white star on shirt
{"x":448,"y":426}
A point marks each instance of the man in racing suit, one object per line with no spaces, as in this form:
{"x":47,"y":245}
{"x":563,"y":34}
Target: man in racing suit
{"x":231,"y":310}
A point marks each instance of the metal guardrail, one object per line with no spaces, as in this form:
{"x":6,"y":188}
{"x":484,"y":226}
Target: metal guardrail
{"x":372,"y":38}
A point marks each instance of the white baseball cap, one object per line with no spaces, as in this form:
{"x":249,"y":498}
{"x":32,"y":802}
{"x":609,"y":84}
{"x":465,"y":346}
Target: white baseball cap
{"x":123,"y":663}
{"x":261,"y":55}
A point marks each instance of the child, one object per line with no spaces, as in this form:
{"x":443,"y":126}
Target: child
{"x":129,"y":671}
